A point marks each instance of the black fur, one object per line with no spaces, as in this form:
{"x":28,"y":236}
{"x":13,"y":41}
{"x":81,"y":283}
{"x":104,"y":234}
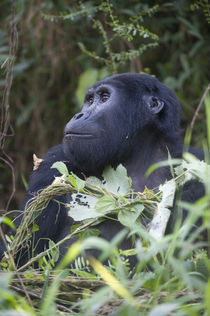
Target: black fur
{"x":131,"y":119}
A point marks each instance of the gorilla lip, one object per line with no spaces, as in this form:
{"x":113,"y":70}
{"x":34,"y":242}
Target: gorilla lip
{"x":74,"y":134}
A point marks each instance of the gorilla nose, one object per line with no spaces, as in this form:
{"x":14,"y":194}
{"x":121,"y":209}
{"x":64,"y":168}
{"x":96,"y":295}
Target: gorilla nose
{"x":81,"y":115}
{"x":78,"y":116}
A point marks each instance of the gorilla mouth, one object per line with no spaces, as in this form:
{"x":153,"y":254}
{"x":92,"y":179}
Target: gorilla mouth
{"x":71,"y":134}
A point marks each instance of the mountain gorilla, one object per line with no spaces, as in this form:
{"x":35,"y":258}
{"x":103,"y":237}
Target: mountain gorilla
{"x":131,"y":119}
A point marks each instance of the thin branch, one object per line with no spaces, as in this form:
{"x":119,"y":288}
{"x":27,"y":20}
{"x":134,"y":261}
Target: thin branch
{"x":5,"y":124}
{"x":8,"y":161}
{"x":13,"y":43}
{"x":199,"y":106}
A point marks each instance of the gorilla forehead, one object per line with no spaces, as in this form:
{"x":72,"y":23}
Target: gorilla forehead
{"x":134,"y":82}
{"x":131,"y":87}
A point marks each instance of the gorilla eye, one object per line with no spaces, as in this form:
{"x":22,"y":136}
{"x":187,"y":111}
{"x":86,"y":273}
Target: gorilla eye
{"x":104,"y":97}
{"x":90,"y":100}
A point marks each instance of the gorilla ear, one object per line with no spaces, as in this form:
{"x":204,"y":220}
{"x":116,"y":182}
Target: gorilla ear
{"x":154,"y":104}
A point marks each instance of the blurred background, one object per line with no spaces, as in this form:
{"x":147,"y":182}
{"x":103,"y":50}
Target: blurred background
{"x":51,"y":51}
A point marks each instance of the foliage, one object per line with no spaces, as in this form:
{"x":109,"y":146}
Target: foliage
{"x":120,"y":30}
{"x":205,"y":7}
{"x":171,"y":271}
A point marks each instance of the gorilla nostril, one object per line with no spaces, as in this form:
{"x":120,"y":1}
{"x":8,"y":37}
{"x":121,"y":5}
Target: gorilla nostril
{"x":78,"y":116}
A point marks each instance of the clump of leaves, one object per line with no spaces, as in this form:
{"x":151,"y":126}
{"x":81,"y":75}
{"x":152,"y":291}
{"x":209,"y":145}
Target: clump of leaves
{"x":170,"y":271}
{"x":94,"y":200}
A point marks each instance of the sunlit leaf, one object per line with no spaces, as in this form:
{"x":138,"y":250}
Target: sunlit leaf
{"x":70,"y":255}
{"x":116,"y":181}
{"x":82,"y":207}
{"x":105,"y":204}
{"x":128,"y":216}
{"x":160,"y":219}
{"x":163,"y":309}
{"x":112,"y":281}
{"x":7,"y":221}
{"x":76,"y":182}
{"x":61,"y":167}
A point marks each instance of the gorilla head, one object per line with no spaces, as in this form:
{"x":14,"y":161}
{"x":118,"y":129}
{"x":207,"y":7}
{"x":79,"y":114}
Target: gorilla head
{"x":116,"y":114}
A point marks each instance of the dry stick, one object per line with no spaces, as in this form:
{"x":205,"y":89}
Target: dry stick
{"x":34,"y":295}
{"x":199,"y":106}
{"x":18,"y":289}
{"x":74,"y":281}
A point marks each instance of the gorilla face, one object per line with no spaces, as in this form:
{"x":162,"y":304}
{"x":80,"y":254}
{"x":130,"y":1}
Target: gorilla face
{"x":112,"y":121}
{"x":94,"y":136}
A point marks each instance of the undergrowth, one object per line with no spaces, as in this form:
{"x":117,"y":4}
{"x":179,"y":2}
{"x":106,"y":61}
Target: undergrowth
{"x":171,"y":274}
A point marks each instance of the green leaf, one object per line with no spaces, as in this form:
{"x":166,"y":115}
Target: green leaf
{"x":84,"y":274}
{"x":47,"y":305}
{"x":77,"y":183}
{"x":128,"y":216}
{"x":54,"y":251}
{"x":35,"y":228}
{"x":70,"y":255}
{"x":88,"y":233}
{"x":128,"y":252}
{"x":163,"y":309}
{"x":195,"y":168}
{"x":207,"y":107}
{"x":96,"y":243}
{"x":85,"y":206}
{"x":164,"y":163}
{"x":105,"y":204}
{"x":162,"y":213}
{"x":112,"y":281}
{"x":94,"y":181}
{"x":117,"y":181}
{"x":74,"y":227}
{"x":7,"y":221}
{"x":61,"y":167}
{"x":82,"y":207}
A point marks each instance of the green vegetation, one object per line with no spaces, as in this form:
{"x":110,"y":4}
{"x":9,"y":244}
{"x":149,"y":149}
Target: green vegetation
{"x":172,"y":272}
{"x":50,"y":51}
